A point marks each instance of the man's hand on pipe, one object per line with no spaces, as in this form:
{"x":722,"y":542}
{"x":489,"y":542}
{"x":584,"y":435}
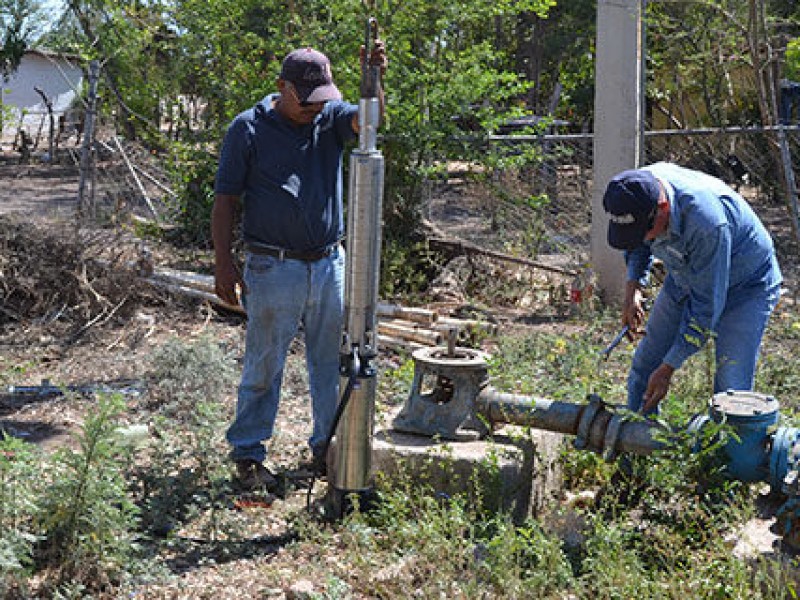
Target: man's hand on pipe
{"x":657,"y":387}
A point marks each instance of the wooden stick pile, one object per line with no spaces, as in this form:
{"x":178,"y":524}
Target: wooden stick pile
{"x":399,"y":327}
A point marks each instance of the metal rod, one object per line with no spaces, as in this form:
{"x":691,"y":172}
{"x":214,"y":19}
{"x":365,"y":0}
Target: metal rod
{"x":606,"y":352}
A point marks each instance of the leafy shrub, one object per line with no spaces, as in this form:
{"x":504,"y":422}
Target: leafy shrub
{"x":87,"y":520}
{"x":19,"y":503}
{"x":186,"y":473}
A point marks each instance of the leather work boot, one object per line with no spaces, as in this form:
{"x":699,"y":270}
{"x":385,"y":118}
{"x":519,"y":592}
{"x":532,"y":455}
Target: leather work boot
{"x":252,"y":476}
{"x":319,"y":465}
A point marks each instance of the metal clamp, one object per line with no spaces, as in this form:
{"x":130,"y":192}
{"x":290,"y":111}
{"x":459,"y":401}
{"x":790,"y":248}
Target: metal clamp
{"x":587,"y":418}
{"x":612,"y":435}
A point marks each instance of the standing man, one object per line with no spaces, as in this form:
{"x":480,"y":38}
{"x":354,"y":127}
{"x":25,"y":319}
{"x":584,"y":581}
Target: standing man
{"x":723,"y":279}
{"x":283,"y":158}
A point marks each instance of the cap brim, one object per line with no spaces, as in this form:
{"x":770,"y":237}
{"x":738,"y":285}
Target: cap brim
{"x":626,"y":237}
{"x":322,"y":93}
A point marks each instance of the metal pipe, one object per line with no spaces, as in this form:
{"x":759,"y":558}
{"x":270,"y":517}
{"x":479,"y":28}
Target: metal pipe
{"x":360,"y":340}
{"x":597,"y":426}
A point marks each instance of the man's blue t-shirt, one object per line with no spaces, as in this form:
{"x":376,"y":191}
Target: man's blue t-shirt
{"x":289,"y":177}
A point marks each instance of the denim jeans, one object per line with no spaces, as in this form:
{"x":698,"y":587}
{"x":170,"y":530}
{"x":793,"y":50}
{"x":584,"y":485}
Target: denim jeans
{"x":789,"y":102}
{"x":281,"y":295}
{"x":737,"y":340}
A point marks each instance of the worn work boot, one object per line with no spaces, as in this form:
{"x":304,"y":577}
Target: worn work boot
{"x":319,"y":464}
{"x":252,"y":476}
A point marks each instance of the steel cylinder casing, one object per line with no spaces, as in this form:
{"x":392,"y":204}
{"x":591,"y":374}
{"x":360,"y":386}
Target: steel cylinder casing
{"x":360,"y":340}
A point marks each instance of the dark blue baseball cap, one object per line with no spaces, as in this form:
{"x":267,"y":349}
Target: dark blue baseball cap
{"x":630,"y":202}
{"x":309,"y":71}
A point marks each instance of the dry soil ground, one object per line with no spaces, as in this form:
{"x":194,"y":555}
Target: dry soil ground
{"x":113,"y":350}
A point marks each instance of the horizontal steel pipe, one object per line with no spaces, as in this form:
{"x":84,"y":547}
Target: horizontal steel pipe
{"x":601,"y":429}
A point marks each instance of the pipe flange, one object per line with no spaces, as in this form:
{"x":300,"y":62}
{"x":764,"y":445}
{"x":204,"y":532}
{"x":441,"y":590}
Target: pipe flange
{"x":612,"y":435}
{"x":465,"y":358}
{"x":784,"y":455}
{"x":587,"y":418}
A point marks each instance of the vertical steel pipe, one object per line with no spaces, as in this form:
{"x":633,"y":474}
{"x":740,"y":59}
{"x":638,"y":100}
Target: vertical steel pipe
{"x":359,"y":349}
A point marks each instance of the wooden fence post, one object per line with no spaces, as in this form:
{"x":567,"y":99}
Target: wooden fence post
{"x":86,"y":164}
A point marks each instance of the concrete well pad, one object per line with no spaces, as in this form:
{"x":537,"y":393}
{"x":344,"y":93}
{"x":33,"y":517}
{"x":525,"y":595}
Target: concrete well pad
{"x":510,"y":471}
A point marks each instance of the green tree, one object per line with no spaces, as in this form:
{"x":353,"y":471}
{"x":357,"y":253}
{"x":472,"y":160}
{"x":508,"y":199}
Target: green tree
{"x":19,"y":23}
{"x":446,"y":59}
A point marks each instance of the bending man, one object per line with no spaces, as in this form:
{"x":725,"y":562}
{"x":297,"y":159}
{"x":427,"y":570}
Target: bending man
{"x":723,"y":279}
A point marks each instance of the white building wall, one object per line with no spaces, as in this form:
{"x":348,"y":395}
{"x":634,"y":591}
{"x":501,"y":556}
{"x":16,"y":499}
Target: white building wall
{"x":59,"y":77}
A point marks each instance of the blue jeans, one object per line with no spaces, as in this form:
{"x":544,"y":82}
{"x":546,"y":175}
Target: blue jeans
{"x":280,"y":295}
{"x":789,"y":101}
{"x":737,"y":341}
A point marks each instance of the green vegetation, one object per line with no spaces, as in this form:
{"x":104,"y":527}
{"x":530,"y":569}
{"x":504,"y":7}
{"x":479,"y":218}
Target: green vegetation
{"x":83,"y":518}
{"x":82,"y":521}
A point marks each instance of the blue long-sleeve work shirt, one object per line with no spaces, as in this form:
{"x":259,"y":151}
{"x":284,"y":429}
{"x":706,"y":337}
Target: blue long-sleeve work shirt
{"x":714,"y":249}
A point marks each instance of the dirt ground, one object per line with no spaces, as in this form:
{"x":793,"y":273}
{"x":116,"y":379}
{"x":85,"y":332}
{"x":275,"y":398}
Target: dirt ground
{"x":113,"y":351}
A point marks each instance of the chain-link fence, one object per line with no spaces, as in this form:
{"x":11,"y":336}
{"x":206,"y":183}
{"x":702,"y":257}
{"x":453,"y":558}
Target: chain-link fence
{"x":545,"y":210}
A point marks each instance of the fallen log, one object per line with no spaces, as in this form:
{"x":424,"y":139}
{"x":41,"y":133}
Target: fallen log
{"x":185,"y":278}
{"x":390,"y":341}
{"x":206,"y":283}
{"x":468,"y":325}
{"x":395,"y":343}
{"x":411,"y":333}
{"x":410,"y":324}
{"x":185,"y":290}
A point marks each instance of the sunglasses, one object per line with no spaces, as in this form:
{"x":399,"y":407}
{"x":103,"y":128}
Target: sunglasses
{"x":301,"y":103}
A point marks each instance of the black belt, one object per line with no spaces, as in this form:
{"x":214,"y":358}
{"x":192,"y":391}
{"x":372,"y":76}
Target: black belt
{"x":280,"y":253}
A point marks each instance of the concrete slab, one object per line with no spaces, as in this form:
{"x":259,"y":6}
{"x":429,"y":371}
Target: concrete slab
{"x":508,"y":472}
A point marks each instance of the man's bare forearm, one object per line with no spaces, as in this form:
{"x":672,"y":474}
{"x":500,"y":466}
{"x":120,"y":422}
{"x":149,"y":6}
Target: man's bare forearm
{"x":226,"y":275}
{"x":222,"y":215}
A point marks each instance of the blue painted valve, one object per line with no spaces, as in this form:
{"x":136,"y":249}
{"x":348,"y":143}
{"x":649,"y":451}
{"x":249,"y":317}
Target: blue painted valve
{"x":762,"y":451}
{"x":753,"y":418}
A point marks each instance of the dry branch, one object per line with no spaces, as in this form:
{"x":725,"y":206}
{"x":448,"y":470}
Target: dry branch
{"x":462,"y":247}
{"x":142,"y":191}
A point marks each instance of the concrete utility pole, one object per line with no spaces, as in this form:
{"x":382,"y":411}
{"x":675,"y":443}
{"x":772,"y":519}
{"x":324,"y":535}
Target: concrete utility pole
{"x":618,"y":124}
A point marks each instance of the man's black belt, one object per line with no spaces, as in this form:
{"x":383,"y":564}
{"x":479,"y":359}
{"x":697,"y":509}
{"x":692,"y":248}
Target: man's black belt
{"x":280,"y":253}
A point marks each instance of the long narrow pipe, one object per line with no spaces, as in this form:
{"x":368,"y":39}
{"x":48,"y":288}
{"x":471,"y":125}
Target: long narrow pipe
{"x":360,"y":340}
{"x":597,"y":428}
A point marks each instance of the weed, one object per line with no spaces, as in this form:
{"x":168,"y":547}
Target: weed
{"x":19,"y":494}
{"x":87,"y":519}
{"x":182,"y":374}
{"x":186,"y":477}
